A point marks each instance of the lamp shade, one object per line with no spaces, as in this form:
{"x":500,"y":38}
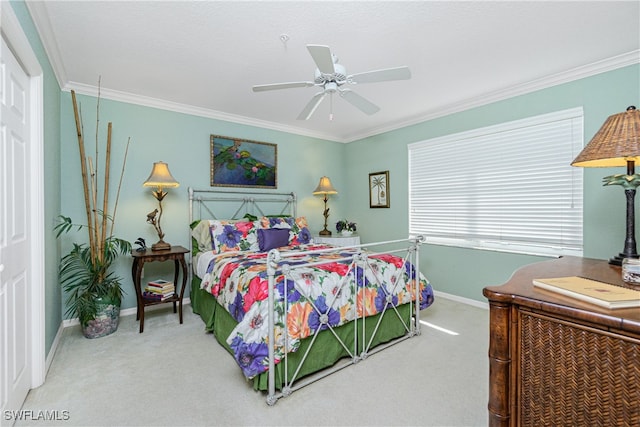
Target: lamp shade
{"x":325,"y":187}
{"x":161,"y":177}
{"x":617,"y":142}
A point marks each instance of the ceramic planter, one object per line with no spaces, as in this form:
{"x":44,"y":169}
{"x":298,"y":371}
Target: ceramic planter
{"x":106,"y":321}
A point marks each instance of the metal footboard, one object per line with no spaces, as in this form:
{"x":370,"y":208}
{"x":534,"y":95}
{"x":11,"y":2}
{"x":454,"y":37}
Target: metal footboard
{"x":360,"y":347}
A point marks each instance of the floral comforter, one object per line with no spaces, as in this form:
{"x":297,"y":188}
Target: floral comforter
{"x":329,"y":294}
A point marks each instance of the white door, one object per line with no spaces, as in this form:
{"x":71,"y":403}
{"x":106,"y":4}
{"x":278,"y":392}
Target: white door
{"x":15,"y":315}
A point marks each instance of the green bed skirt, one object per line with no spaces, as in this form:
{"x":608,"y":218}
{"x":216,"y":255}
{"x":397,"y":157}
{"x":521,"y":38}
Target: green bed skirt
{"x":326,"y":350}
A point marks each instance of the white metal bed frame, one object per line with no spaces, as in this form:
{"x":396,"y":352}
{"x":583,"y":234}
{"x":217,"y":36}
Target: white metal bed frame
{"x":277,"y":265}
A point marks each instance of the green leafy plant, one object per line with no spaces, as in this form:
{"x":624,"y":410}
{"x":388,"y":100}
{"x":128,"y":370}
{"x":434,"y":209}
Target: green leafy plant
{"x":86,"y":278}
{"x":345,"y":225}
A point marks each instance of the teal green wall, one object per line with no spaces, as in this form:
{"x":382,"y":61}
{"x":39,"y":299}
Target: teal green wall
{"x":183,"y":141}
{"x":51,"y":133}
{"x":465,"y":272}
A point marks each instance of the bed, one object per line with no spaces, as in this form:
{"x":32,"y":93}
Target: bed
{"x":288,"y":310}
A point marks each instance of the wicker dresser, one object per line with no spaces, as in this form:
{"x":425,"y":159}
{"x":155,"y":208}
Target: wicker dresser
{"x":555,"y":361}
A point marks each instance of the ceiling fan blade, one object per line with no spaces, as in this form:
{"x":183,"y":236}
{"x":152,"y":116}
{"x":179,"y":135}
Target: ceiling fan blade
{"x":399,"y":73}
{"x":311,"y":106}
{"x":322,"y":57}
{"x":359,"y":102}
{"x":276,"y":86}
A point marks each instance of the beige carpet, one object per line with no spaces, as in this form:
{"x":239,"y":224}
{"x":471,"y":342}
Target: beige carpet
{"x":177,"y":375}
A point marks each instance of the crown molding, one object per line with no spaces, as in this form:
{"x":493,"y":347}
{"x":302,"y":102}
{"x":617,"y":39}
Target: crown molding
{"x":40,"y":18}
{"x":603,"y":66}
{"x":17,"y":40}
{"x":38,"y":11}
{"x":610,"y":64}
{"x":161,"y":104}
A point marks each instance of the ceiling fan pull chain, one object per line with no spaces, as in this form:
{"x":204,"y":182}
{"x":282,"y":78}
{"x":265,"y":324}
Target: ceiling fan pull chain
{"x":331,"y":107}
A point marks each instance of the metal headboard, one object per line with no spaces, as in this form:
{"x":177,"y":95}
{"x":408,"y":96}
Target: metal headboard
{"x":211,"y":202}
{"x":203,"y":204}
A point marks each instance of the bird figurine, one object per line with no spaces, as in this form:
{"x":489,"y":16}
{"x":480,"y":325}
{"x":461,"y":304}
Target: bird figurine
{"x":151,"y":216}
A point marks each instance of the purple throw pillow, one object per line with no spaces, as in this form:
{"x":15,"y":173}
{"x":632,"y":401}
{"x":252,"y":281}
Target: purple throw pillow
{"x":271,"y":238}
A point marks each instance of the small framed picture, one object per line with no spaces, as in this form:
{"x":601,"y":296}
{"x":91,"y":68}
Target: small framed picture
{"x":379,"y":190}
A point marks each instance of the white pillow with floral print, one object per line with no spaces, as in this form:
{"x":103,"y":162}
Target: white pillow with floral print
{"x":228,"y":235}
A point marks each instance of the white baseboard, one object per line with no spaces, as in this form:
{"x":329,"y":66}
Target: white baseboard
{"x":129,"y":311}
{"x":72,"y":322}
{"x":126,"y":312}
{"x":53,"y":349}
{"x":463,"y":300}
{"x":133,"y":310}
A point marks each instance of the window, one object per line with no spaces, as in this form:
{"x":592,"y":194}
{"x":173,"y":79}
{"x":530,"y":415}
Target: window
{"x":508,"y":187}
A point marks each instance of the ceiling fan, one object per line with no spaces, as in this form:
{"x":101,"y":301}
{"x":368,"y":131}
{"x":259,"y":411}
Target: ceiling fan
{"x":331,"y":76}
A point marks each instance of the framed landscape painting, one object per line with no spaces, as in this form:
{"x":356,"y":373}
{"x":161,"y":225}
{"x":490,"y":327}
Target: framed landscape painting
{"x":239,"y":162}
{"x":379,"y":190}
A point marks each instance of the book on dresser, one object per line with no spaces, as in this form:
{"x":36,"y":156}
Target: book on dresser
{"x":603,"y":294}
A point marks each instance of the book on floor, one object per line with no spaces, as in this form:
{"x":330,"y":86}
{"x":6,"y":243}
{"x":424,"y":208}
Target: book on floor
{"x":603,"y":294}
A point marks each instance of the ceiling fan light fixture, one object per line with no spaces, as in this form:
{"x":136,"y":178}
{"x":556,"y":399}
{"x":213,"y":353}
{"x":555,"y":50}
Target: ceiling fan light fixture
{"x":331,"y":76}
{"x":340,"y":75}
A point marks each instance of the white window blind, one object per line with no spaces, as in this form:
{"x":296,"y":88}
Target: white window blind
{"x":508,"y":187}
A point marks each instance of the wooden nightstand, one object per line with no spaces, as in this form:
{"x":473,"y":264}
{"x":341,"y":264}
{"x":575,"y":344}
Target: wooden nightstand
{"x":176,"y":253}
{"x":338,"y":240}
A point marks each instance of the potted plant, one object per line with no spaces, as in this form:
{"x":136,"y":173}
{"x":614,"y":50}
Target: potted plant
{"x":94,"y":292}
{"x":345,"y":227}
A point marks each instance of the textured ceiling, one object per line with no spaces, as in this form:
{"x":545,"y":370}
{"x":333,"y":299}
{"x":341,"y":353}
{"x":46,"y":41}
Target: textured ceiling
{"x":203,"y":57}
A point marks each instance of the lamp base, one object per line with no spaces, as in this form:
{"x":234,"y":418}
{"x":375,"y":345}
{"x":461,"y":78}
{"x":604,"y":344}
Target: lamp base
{"x":325,"y":232}
{"x":161,"y":246}
{"x":617,"y":260}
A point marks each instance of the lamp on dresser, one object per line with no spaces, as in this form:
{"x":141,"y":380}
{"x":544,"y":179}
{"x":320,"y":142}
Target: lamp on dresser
{"x":324,"y":188}
{"x":160,"y":178}
{"x":617,"y":143}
